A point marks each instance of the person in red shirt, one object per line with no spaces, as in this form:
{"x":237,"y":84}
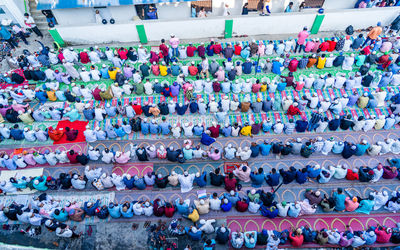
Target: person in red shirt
{"x":230,"y":182}
{"x":241,"y":206}
{"x":238,"y":49}
{"x":293,"y":65}
{"x":214,"y":129}
{"x":55,"y":134}
{"x":71,"y":134}
{"x":332,"y":44}
{"x":193,"y":70}
{"x":122,"y":52}
{"x":164,"y":51}
{"x":217,"y":48}
{"x":96,"y":94}
{"x":216,"y":86}
{"x":367,"y":50}
{"x":297,"y":237}
{"x":383,"y":234}
{"x":137,"y":108}
{"x":158,"y":210}
{"x":72,"y":157}
{"x":169,"y":210}
{"x":324,"y":46}
{"x":201,"y":50}
{"x":351,"y":175}
{"x":293,"y":109}
{"x":190,"y":50}
{"x":84,"y":57}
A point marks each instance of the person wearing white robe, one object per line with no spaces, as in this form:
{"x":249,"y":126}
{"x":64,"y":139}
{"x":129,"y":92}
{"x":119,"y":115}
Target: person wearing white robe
{"x":92,"y":174}
{"x":107,"y":156}
{"x":95,"y":74}
{"x":78,"y":183}
{"x":85,"y":76}
{"x":348,"y":62}
{"x":94,"y":154}
{"x":118,"y":182}
{"x":62,"y":156}
{"x":51,"y":158}
{"x":117,"y":91}
{"x":380,"y":199}
{"x":244,"y":154}
{"x":69,"y":67}
{"x":7,"y":187}
{"x":53,"y":57}
{"x":106,"y":180}
{"x":206,"y":226}
{"x":142,"y":54}
{"x":186,"y":181}
{"x":94,"y":57}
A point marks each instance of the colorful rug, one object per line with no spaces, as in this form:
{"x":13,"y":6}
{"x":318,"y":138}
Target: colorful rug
{"x":6,"y":175}
{"x":78,"y":125}
{"x":139,"y":169}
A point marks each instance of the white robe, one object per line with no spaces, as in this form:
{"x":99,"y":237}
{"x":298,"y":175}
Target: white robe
{"x":186,"y":182}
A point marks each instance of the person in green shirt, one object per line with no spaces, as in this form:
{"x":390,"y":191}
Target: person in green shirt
{"x":366,"y":205}
{"x":139,"y":88}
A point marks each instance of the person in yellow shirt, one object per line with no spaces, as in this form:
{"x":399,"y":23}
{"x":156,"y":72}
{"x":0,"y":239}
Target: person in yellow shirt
{"x":264,"y":87}
{"x":193,"y":216}
{"x":373,"y":34}
{"x":163,"y":69}
{"x":246,"y":130}
{"x":26,"y":117}
{"x":363,"y":101}
{"x":51,"y":95}
{"x":112,"y":72}
{"x":321,"y":62}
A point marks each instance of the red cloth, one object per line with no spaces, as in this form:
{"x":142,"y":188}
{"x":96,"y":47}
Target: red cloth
{"x":193,"y":70}
{"x":72,"y":157}
{"x":351,"y":175}
{"x":96,"y":94}
{"x":388,"y":173}
{"x":190,"y":51}
{"x":383,"y":59}
{"x":241,"y":206}
{"x":138,"y":109}
{"x":84,"y":57}
{"x":238,"y":50}
{"x":293,"y":65}
{"x":214,"y":131}
{"x":367,"y":50}
{"x":216,"y":87}
{"x":169,"y":211}
{"x":217,"y":48}
{"x":332,"y":46}
{"x":157,"y":210}
{"x":72,"y":134}
{"x":324,"y":46}
{"x":61,"y":56}
{"x":153,"y":57}
{"x":77,"y":125}
{"x":293,"y":110}
{"x":230,"y":184}
{"x":123,"y":54}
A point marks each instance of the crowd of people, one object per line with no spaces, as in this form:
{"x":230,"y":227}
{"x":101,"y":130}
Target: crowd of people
{"x":44,"y":210}
{"x":191,"y":152}
{"x":67,"y":89}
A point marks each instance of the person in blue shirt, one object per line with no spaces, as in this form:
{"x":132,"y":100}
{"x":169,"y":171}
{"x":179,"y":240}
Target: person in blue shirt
{"x":247,"y":66}
{"x":182,"y":206}
{"x":209,"y":244}
{"x":139,"y":183}
{"x":114,"y":210}
{"x":60,"y":215}
{"x":206,"y":139}
{"x":39,"y":183}
{"x":272,"y":178}
{"x":255,"y":149}
{"x":90,"y":208}
{"x":362,"y":148}
{"x":193,"y":233}
{"x":6,"y":35}
{"x":250,"y":239}
{"x":281,"y":85}
{"x":301,"y":125}
{"x":41,"y":96}
{"x":257,"y":178}
{"x":201,"y":179}
{"x":193,"y":106}
{"x":104,"y":72}
{"x":232,"y":197}
{"x":276,"y":66}
{"x":288,"y":175}
{"x":339,"y":199}
{"x":145,"y":126}
{"x":334,"y":124}
{"x":128,"y":181}
{"x":301,"y":176}
{"x":126,"y":210}
{"x":16,"y":133}
{"x":245,"y":53}
{"x":226,"y":205}
{"x":175,"y":69}
{"x":181,"y":108}
{"x":210,"y":49}
{"x":289,"y":7}
{"x":313,"y":172}
{"x":154,"y":128}
{"x":119,"y":131}
{"x":267,"y":125}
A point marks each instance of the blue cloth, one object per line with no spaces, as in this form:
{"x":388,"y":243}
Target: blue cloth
{"x":114,"y":211}
{"x":257,"y":179}
{"x":4,"y":33}
{"x":265,"y":149}
{"x":273,"y":179}
{"x":276,"y":67}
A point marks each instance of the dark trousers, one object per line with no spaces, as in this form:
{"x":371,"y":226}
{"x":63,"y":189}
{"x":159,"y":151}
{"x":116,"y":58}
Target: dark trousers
{"x":301,"y":47}
{"x":166,"y":60}
{"x":12,"y":43}
{"x":37,"y":31}
{"x":22,"y":36}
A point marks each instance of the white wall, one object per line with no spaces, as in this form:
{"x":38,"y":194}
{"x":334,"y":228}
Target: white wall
{"x":339,"y":4}
{"x":14,"y":10}
{"x":83,"y":16}
{"x":173,"y":11}
{"x":359,"y":18}
{"x":285,"y":23}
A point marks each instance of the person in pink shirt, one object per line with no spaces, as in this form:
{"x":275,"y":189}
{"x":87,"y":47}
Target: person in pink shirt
{"x":301,"y":40}
{"x":74,"y":205}
{"x":383,"y":234}
{"x":255,"y":88}
{"x":28,"y":158}
{"x":362,"y":5}
{"x":174,"y":42}
{"x":351,"y":204}
{"x":386,"y":46}
{"x":122,"y":157}
{"x":346,"y":238}
{"x":186,"y":87}
{"x":220,"y":74}
{"x":299,"y":85}
{"x":293,"y":65}
{"x":19,"y":107}
{"x":214,"y":154}
{"x":242,"y":173}
{"x":261,"y":49}
{"x":155,"y":69}
{"x":309,"y":46}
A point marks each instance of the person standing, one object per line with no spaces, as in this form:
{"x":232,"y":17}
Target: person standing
{"x":28,"y":20}
{"x":301,"y":40}
{"x":6,"y":35}
{"x":174,"y":42}
{"x":49,"y":17}
{"x":373,"y":34}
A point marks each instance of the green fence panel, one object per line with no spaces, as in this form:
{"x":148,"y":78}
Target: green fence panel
{"x":317,"y":23}
{"x":56,"y":36}
{"x":142,"y":33}
{"x":228,"y":28}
